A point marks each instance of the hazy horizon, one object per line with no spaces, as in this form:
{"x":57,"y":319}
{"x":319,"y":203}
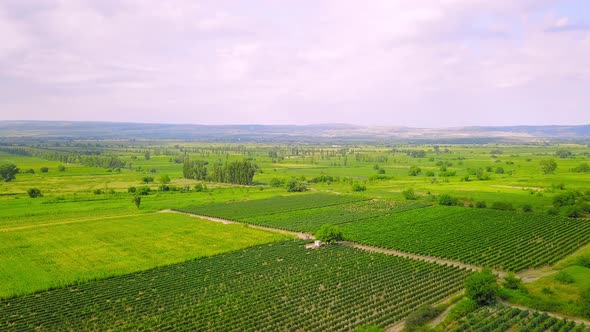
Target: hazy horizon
{"x":436,"y":64}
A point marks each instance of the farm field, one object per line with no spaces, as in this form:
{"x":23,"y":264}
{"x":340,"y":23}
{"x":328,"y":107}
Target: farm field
{"x":85,"y":239}
{"x":265,"y":288}
{"x":504,"y":240}
{"x":38,"y":256}
{"x":503,"y":318}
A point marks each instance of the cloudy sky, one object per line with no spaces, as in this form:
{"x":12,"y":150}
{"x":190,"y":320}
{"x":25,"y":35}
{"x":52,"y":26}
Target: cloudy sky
{"x":420,"y":63}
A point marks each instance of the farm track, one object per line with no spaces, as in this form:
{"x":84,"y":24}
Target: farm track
{"x":300,"y":235}
{"x":57,"y":223}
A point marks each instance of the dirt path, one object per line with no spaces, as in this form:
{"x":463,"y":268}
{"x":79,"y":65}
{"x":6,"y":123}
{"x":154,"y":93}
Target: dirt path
{"x":552,"y":314}
{"x":436,"y":260}
{"x":303,"y":236}
{"x":18,"y":228}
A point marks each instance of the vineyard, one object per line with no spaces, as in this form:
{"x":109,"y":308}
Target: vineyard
{"x":309,"y":220}
{"x":504,"y":240}
{"x":511,"y":319}
{"x":277,"y":204}
{"x":279,"y":286}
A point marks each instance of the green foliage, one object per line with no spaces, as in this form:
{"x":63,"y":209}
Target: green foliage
{"x":565,"y":199}
{"x":564,"y":277}
{"x":582,"y":168}
{"x":583,"y":260}
{"x":527,"y":208}
{"x":8,"y":172}
{"x":164,"y":179}
{"x":447,"y":200}
{"x":147,"y":179}
{"x":61,"y":168}
{"x":131,"y":190}
{"x":409,"y":194}
{"x":137,"y":201}
{"x":480,"y":204}
{"x":548,"y":166}
{"x":143,"y":190}
{"x":296,"y":185}
{"x":358,"y":186}
{"x":414,"y":171}
{"x":419,"y":317}
{"x":200,"y":187}
{"x":276,"y":182}
{"x":34,"y":192}
{"x":481,"y":287}
{"x":585,"y":303}
{"x":329,"y":234}
{"x":504,"y":206}
{"x":511,"y":281}
{"x":97,"y":191}
{"x":44,"y":169}
{"x":563,"y":153}
{"x":462,"y":309}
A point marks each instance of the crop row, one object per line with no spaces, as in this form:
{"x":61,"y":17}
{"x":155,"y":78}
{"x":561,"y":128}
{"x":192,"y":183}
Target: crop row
{"x":279,"y":286}
{"x":504,"y":240}
{"x":499,"y":319}
{"x":309,"y":220}
{"x":277,"y":204}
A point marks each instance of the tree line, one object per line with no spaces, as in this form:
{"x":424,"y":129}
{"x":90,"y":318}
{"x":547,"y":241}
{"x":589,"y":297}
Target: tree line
{"x":103,"y":161}
{"x":235,"y":172}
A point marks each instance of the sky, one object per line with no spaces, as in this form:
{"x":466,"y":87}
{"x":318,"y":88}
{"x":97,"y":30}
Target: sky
{"x":420,"y":63}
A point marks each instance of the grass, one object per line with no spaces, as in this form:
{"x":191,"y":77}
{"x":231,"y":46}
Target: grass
{"x":43,"y":257}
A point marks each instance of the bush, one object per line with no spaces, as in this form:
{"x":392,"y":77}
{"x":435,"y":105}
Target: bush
{"x":567,"y":198}
{"x":97,"y":191}
{"x":164,"y":179}
{"x":295,"y":185}
{"x":34,"y":192}
{"x":417,"y":319}
{"x":329,"y":234}
{"x":481,"y":287}
{"x":511,"y":281}
{"x":143,"y":190}
{"x":480,"y":205}
{"x":504,"y":206}
{"x":585,"y":303}
{"x":583,"y":260}
{"x":137,"y":201}
{"x":357,"y":186}
{"x":147,"y":179}
{"x":276,"y":182}
{"x":131,"y":190}
{"x":409,"y":194}
{"x":414,"y":171}
{"x":44,"y":169}
{"x":448,"y":200}
{"x":553,"y":211}
{"x":527,"y":208}
{"x":61,"y":168}
{"x":199,"y":187}
{"x":462,"y":309}
{"x":564,"y":278}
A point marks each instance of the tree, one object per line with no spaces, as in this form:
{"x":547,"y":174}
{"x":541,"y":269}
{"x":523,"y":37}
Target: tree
{"x":147,"y":155}
{"x":8,"y":172}
{"x":482,"y":287}
{"x":329,"y":234}
{"x":414,"y":171}
{"x":137,"y":201}
{"x":34,"y":192}
{"x":548,"y":166}
{"x":583,"y":168}
{"x":511,"y":281}
{"x":357,"y":186}
{"x":448,"y":200}
{"x":147,"y":179}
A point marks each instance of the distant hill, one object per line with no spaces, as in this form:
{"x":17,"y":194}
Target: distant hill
{"x":320,"y":133}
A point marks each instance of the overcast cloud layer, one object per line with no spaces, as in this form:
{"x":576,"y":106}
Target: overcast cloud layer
{"x":413,"y":63}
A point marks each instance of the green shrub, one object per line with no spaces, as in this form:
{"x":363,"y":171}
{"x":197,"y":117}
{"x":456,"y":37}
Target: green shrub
{"x":504,"y":206}
{"x":409,"y":194}
{"x":481,"y":205}
{"x":97,"y":191}
{"x":61,"y":168}
{"x":44,"y":169}
{"x":511,"y":281}
{"x":34,"y":192}
{"x":564,"y":278}
{"x":527,"y":208}
{"x":583,"y":260}
{"x":147,"y":179}
{"x":448,"y":200}
{"x":295,"y":185}
{"x":419,"y":317}
{"x":143,"y":190}
{"x":585,"y":303}
{"x":276,"y":182}
{"x":131,"y":190}
{"x":357,"y":186}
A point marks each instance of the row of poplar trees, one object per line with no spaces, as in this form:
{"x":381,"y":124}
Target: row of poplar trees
{"x":236,"y":172}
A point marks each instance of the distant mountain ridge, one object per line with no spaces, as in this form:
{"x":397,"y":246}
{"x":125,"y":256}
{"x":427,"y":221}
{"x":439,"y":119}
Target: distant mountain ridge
{"x":321,"y":133}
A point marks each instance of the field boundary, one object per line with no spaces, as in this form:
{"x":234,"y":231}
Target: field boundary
{"x":303,"y":236}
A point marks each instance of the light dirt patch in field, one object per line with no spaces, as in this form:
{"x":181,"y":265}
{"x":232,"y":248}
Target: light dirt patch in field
{"x":18,"y":228}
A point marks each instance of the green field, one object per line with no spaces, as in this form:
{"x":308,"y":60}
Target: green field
{"x":110,"y":264}
{"x":280,"y":286}
{"x":498,"y":239}
{"x":37,"y":256}
{"x":502,"y":318}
